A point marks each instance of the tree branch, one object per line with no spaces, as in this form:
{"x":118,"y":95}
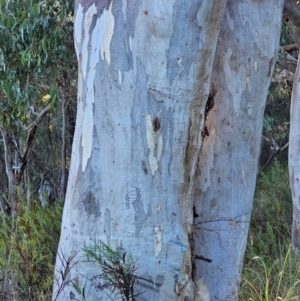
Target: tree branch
{"x":30,"y":137}
{"x":277,"y":150}
{"x":290,"y":48}
{"x":38,"y":118}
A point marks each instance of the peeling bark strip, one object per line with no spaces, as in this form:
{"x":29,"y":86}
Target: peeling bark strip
{"x":144,"y":77}
{"x":226,"y":175}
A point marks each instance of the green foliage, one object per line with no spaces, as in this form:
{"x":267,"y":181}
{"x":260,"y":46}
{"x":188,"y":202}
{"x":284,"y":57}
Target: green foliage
{"x":37,"y":70}
{"x":27,"y":253}
{"x":34,"y":47}
{"x":62,"y":277}
{"x":270,"y":271}
{"x":117,"y":271}
{"x":277,"y":112}
{"x":285,"y":38}
{"x":272,"y":199}
{"x":269,"y":281}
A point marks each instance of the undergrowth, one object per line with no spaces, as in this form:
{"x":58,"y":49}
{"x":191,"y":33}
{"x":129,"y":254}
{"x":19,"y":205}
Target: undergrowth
{"x":271,"y":272}
{"x":28,"y":248}
{"x":27,"y":253}
{"x":117,"y":272}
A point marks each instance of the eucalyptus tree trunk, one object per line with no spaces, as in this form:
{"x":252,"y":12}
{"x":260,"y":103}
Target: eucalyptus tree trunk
{"x":144,"y":74}
{"x":294,"y":158}
{"x":143,"y":94}
{"x":228,"y":161}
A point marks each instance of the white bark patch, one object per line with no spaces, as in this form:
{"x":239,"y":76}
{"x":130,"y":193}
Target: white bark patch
{"x":202,"y":293}
{"x":236,"y":81}
{"x":107,"y":29}
{"x":130,"y":43}
{"x":255,"y":66}
{"x":90,"y":59}
{"x":78,"y":26}
{"x":88,"y":18}
{"x":157,"y":240}
{"x":154,"y":139}
{"x":229,"y":20}
{"x":120,"y":77}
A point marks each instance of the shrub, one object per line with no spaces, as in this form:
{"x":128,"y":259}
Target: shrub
{"x":28,"y":252}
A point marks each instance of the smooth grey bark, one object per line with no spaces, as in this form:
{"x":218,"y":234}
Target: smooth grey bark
{"x":292,"y":11}
{"x":294,"y":158}
{"x":144,"y":74}
{"x":243,"y":66}
{"x":145,"y":71}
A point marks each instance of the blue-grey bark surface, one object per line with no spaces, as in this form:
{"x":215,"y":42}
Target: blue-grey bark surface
{"x":144,"y":74}
{"x":145,"y":71}
{"x":226,"y":176}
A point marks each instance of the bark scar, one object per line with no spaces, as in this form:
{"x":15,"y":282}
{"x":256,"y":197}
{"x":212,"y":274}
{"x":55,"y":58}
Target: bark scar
{"x":208,"y":107}
{"x":156,"y":124}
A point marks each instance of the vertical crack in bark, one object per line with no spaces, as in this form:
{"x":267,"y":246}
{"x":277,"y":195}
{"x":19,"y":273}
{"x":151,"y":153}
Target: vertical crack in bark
{"x":186,"y":159}
{"x":192,"y":246}
{"x":208,"y":107}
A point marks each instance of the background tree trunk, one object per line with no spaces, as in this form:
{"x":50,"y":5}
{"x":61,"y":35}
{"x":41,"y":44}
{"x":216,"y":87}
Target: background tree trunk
{"x":8,"y":156}
{"x":294,"y":159}
{"x":228,"y":162}
{"x":144,"y":74}
{"x":291,"y":10}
